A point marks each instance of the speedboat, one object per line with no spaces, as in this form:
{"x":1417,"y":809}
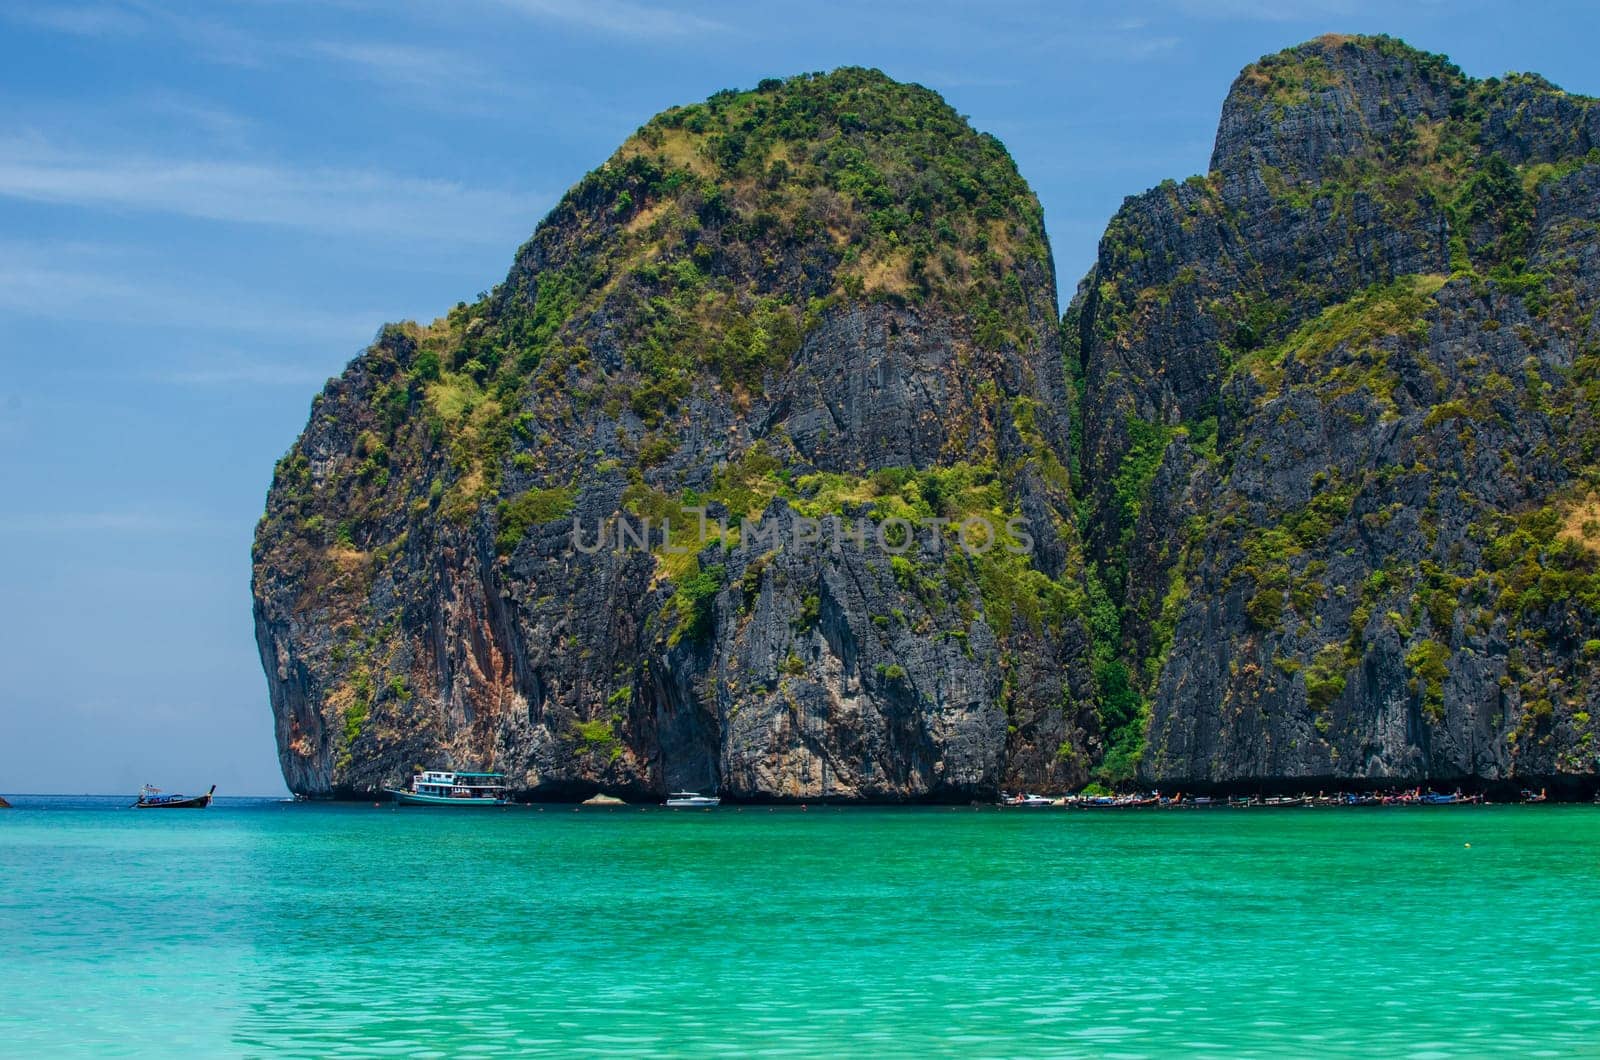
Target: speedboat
{"x":692,"y":800}
{"x":152,"y":798}
{"x":438,"y":787}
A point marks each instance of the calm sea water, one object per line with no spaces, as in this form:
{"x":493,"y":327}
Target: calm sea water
{"x":269,"y":928}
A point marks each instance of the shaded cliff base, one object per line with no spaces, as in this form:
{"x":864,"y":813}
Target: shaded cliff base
{"x":1561,"y":788}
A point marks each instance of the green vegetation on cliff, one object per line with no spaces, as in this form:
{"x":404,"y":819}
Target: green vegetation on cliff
{"x":828,"y":294}
{"x":1309,"y":491}
{"x":1384,"y":295}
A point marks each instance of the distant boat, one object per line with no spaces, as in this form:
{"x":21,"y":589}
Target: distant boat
{"x":1433,"y":798}
{"x":1025,"y":800}
{"x":4,"y":805}
{"x":152,"y":798}
{"x":1116,"y":802}
{"x":692,"y":800}
{"x":438,"y":787}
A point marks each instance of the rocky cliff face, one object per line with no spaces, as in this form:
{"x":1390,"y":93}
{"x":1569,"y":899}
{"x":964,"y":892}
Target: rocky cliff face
{"x":787,"y":313}
{"x":1310,"y":470}
{"x":1339,"y":430}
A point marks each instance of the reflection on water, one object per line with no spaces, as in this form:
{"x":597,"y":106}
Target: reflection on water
{"x":327,"y":930}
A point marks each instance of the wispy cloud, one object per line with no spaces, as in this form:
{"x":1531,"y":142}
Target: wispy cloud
{"x":86,"y":283}
{"x":232,"y":370}
{"x":950,"y":79}
{"x":1126,"y":39}
{"x":618,"y":17}
{"x":210,"y":38}
{"x":220,"y":41}
{"x":217,"y":124}
{"x":321,"y":200}
{"x":133,"y":520}
{"x":180,"y":122}
{"x":396,"y":63}
{"x":90,"y":20}
{"x":1140,"y":45}
{"x":1266,"y":10}
{"x":439,"y":77}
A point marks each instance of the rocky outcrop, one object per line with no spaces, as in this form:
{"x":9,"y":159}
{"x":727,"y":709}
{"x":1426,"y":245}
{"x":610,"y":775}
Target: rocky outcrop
{"x":1339,"y":432}
{"x":791,"y":314}
{"x":1303,"y":489}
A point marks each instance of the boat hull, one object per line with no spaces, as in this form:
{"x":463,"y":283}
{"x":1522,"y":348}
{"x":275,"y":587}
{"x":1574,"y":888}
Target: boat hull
{"x":198,"y":802}
{"x":411,"y":798}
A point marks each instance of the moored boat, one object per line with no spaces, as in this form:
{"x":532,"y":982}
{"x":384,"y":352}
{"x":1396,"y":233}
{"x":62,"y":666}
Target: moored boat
{"x":1434,"y":798}
{"x":438,"y":787}
{"x":153,"y":798}
{"x":692,"y":800}
{"x":1116,"y":802}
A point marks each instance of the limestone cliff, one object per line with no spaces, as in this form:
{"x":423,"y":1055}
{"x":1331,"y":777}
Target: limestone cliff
{"x":1340,"y":438}
{"x":1304,"y":489}
{"x":827,"y":299}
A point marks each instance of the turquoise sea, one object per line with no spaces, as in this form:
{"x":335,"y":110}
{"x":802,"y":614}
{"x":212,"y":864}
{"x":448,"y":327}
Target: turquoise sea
{"x":268,"y":928}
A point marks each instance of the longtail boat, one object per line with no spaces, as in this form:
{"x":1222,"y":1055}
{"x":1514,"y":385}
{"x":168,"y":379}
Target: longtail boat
{"x":152,"y":798}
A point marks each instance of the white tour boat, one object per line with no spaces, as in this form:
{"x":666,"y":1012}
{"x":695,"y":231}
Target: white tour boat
{"x":438,"y":787}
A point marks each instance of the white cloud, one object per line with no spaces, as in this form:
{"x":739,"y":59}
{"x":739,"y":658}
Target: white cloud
{"x":211,"y":39}
{"x":217,"y":124}
{"x":398,"y":63}
{"x":440,"y":77}
{"x":81,"y":282}
{"x":1141,"y":46}
{"x":322,"y":200}
{"x":229,"y":370}
{"x":1266,"y":10}
{"x":90,"y":20}
{"x":122,"y":522}
{"x":618,"y":17}
{"x":952,"y":80}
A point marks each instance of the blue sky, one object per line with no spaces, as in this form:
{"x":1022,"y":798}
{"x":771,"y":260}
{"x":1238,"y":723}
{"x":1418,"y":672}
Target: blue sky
{"x":207,"y":209}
